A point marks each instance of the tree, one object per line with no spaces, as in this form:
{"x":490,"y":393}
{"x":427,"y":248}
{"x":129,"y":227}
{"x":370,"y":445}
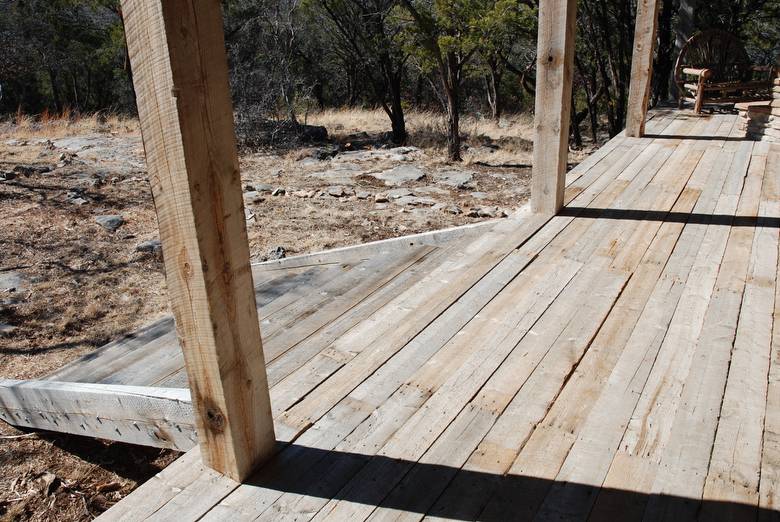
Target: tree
{"x":503,"y":27}
{"x":443,"y":36}
{"x":368,"y":32}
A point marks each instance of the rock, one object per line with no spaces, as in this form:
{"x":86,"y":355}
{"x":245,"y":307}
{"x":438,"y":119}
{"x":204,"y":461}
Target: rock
{"x":401,"y":174}
{"x":304,"y":194}
{"x":76,"y":197}
{"x":29,"y":170}
{"x":259,"y":187}
{"x":278,"y":192}
{"x":399,"y":193}
{"x":110,"y":223}
{"x":249,"y":215}
{"x":415,"y":201}
{"x":479,"y":195}
{"x":432,"y":190}
{"x":7,"y":175}
{"x":253,"y":197}
{"x":338,"y":191}
{"x":343,"y":174}
{"x":276,"y":253}
{"x":393,"y":154}
{"x":6,"y":329}
{"x":362,"y":194}
{"x":319,"y":153}
{"x":308,"y":162}
{"x":448,"y":209}
{"x":153,"y":246}
{"x":486,"y":212}
{"x":381,"y":198}
{"x":12,"y":281}
{"x":455,"y":178}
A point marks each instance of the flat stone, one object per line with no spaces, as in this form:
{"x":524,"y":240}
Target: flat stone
{"x":394,"y":154}
{"x":338,"y":191}
{"x":431,"y":190}
{"x":341,"y":174}
{"x":401,"y":174}
{"x":486,"y":212}
{"x":398,"y":193}
{"x":259,"y":187}
{"x":415,"y":201}
{"x":381,"y":198}
{"x":278,"y":192}
{"x":253,"y":197}
{"x":448,"y":209}
{"x":454,"y":178}
{"x":309,"y":162}
{"x":12,"y":281}
{"x":479,"y":195}
{"x":110,"y":223}
{"x":153,"y":246}
{"x":363,"y":194}
{"x":304,"y":193}
{"x":76,"y":197}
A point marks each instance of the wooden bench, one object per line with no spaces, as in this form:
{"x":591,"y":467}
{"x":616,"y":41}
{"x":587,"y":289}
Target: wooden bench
{"x":713,"y":68}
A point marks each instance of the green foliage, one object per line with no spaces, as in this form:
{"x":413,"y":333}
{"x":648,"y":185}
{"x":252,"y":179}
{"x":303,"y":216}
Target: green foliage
{"x":60,"y":54}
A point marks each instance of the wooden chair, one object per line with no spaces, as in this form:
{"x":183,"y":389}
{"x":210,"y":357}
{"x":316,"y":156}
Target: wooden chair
{"x":714,"y":68}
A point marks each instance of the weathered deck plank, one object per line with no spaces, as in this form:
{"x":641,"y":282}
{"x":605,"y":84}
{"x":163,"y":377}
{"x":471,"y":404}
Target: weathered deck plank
{"x":618,"y":360}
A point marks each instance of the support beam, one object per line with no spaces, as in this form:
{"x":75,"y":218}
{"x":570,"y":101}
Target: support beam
{"x":159,"y":417}
{"x":645,"y":35}
{"x":177,"y":52}
{"x":554,"y":73}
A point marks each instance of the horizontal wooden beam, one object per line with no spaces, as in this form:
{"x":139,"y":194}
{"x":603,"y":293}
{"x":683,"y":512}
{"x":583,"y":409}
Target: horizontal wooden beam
{"x":159,"y":417}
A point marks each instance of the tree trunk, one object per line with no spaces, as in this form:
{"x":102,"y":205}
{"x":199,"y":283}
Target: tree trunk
{"x":397,"y":120}
{"x":495,"y":100}
{"x":451,"y":83}
{"x":662,"y":76}
{"x":576,"y":119}
{"x":289,"y":96}
{"x":55,"y":91}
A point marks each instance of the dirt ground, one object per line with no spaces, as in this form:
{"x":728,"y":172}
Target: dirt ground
{"x":69,"y":284}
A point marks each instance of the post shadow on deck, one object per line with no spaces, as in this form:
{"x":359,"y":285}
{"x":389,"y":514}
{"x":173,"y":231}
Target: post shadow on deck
{"x":696,"y":138}
{"x":671,"y":217}
{"x":417,"y":488}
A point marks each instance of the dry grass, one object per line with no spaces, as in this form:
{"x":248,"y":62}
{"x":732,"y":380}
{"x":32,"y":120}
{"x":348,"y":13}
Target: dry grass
{"x":344,"y":122}
{"x":427,"y":130}
{"x":49,"y":125}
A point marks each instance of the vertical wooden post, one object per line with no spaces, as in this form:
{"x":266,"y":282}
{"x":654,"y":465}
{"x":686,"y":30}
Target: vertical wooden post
{"x":177,"y":52}
{"x":642,"y":66}
{"x":554,"y":73}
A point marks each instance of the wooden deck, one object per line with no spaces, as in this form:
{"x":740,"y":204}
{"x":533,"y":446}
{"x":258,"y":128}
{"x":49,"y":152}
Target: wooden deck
{"x":616,"y":362}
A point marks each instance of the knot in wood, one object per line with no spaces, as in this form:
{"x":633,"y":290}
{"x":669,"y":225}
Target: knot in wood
{"x":215,"y":419}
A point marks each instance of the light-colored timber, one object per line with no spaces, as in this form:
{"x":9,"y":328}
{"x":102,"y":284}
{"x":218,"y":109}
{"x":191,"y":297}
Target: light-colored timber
{"x":642,"y":66}
{"x":160,"y":417}
{"x":554,"y":76}
{"x":616,"y":361}
{"x":180,"y":75}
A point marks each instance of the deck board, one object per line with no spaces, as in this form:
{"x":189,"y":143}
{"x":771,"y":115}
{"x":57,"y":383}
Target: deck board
{"x":617,"y":361}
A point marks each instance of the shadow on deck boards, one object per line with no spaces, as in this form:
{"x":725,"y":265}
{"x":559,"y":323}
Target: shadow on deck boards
{"x":671,"y":217}
{"x":417,"y":488}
